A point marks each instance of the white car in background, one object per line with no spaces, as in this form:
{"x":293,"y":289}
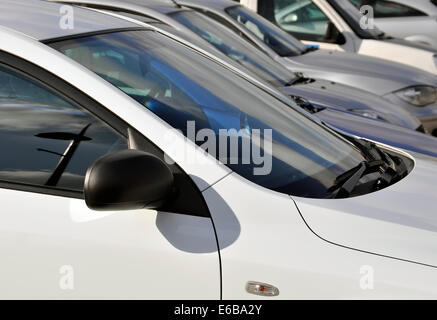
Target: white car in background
{"x":337,"y":25}
{"x":411,"y":20}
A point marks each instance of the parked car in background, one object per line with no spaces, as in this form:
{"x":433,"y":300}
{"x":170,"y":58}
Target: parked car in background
{"x":127,"y":203}
{"x":339,"y":28}
{"x":411,"y":20}
{"x":395,"y":82}
{"x":220,"y":40}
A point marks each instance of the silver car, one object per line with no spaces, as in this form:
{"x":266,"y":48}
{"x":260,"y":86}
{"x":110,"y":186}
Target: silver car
{"x":393,"y":81}
{"x":191,"y":25}
{"x":410,"y":20}
{"x":338,"y":25}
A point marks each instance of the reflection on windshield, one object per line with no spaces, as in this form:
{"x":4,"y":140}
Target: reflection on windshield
{"x":181,"y":86}
{"x":45,"y":139}
{"x":281,"y":42}
{"x":235,"y":47}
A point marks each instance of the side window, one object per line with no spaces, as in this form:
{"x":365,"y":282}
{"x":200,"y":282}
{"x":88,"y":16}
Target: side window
{"x":225,"y":23}
{"x":302,"y":19}
{"x":388,"y":9}
{"x":46,"y":139}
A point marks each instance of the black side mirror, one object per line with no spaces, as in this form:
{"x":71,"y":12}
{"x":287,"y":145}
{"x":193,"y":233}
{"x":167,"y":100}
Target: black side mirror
{"x":333,"y":35}
{"x":127,"y":180}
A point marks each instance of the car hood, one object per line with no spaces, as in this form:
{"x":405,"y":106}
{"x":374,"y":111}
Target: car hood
{"x":337,"y":96}
{"x":379,"y":131}
{"x":371,"y":74}
{"x":398,"y":222}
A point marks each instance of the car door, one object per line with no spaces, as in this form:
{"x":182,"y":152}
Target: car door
{"x":303,"y":19}
{"x":52,"y":245}
{"x":403,"y":21}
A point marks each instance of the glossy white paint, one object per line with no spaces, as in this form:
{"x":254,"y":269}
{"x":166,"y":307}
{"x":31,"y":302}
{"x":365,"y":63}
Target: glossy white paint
{"x":414,"y":57}
{"x":117,"y":255}
{"x":387,"y":222}
{"x":422,"y":59}
{"x":325,"y":45}
{"x":263,"y":238}
{"x":145,"y":254}
{"x":419,"y":58}
{"x":181,"y":150}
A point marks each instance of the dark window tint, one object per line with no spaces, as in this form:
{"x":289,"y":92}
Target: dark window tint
{"x":388,"y":9}
{"x":191,"y":93}
{"x":47,"y":140}
{"x":353,"y":18}
{"x":230,"y":44}
{"x":300,"y":18}
{"x":278,"y":40}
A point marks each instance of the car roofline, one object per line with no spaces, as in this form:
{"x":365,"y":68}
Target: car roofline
{"x":220,"y":12}
{"x":210,"y":56}
{"x":91,"y":33}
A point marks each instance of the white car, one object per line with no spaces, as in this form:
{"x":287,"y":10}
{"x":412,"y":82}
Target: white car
{"x":410,"y":20}
{"x":102,"y":198}
{"x":338,"y":25}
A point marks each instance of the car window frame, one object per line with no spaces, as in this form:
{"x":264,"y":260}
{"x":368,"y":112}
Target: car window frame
{"x":414,"y":12}
{"x":196,"y":206}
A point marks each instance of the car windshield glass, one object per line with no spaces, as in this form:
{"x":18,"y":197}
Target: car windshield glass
{"x":278,"y":40}
{"x":212,"y":105}
{"x":353,"y":17}
{"x":235,"y":47}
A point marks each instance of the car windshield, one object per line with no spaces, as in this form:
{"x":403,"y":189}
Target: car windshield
{"x":278,"y":40}
{"x":353,"y":16}
{"x":235,"y":47}
{"x":204,"y":100}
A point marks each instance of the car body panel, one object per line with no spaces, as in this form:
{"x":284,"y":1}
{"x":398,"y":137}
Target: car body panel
{"x":339,"y":97}
{"x":94,"y":86}
{"x":358,"y":45}
{"x":418,"y":28}
{"x":335,"y":99}
{"x":374,"y":75}
{"x":145,"y":242}
{"x":384,"y":48}
{"x":389,"y":230}
{"x":286,"y":253}
{"x":51,"y":15}
{"x":379,"y":131}
{"x":76,"y":253}
{"x":269,"y":243}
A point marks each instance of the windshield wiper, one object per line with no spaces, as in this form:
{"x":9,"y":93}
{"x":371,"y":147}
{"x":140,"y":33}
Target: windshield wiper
{"x":298,"y":79}
{"x":391,"y":169}
{"x":383,"y":36}
{"x":346,"y":182}
{"x":306,"y":105}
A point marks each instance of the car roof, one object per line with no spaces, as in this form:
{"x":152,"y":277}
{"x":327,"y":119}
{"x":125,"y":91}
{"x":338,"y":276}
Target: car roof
{"x":163,"y":7}
{"x":425,"y":6}
{"x":212,"y":4}
{"x":44,"y":20}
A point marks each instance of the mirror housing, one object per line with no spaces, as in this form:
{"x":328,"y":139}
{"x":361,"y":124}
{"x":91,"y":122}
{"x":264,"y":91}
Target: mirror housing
{"x":127,"y":180}
{"x":332,"y":34}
